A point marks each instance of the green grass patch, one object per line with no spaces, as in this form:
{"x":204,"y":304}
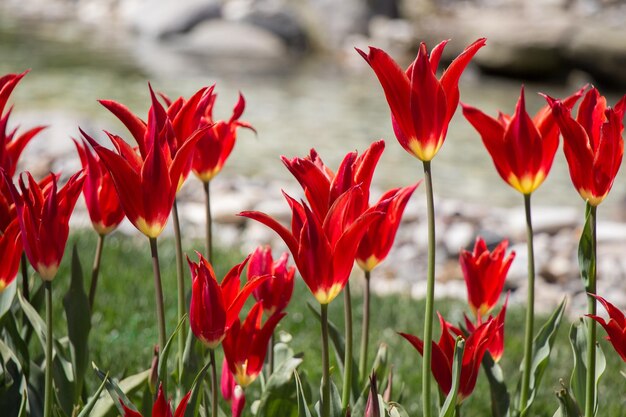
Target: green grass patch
{"x":124,"y":331}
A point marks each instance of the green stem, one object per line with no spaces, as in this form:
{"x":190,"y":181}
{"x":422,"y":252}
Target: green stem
{"x":213,"y":383}
{"x":180,"y":281}
{"x":209,"y":223}
{"x":530,"y":311}
{"x":270,"y":356}
{"x":158,"y":291}
{"x":47,"y":411}
{"x":95,"y":271}
{"x":24,"y":267}
{"x":347,"y":359}
{"x":430,"y":293}
{"x":590,"y":386}
{"x":457,"y":410}
{"x":325,"y":406}
{"x":365,"y":329}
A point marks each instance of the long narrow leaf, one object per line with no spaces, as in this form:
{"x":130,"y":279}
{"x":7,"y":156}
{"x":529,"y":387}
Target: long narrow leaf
{"x":78,"y":313}
{"x":542,"y":346}
{"x":86,"y":411}
{"x":118,"y":392}
{"x":163,"y":356}
{"x":579,"y":339}
{"x":449,"y":406}
{"x":303,"y":408}
{"x":586,"y":260}
{"x":500,"y":397}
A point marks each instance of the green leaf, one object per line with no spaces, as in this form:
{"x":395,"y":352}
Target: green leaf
{"x":586,"y":260}
{"x":500,"y":398}
{"x":193,"y":406}
{"x":6,"y":297}
{"x":449,"y":406}
{"x":163,"y":356}
{"x":23,"y":404}
{"x":78,"y":313}
{"x":86,"y":411}
{"x":542,"y":346}
{"x":567,"y":404}
{"x":118,"y":392}
{"x":335,"y":401}
{"x":279,"y":397}
{"x":9,"y":323}
{"x":303,"y":407}
{"x":579,"y":338}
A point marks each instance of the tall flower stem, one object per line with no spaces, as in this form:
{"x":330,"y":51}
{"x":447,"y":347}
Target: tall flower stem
{"x":95,"y":271}
{"x":530,"y":310}
{"x":24,"y":267}
{"x":347,"y":359}
{"x":365,"y":328}
{"x":47,"y":410}
{"x":430,"y":292}
{"x":180,"y":284}
{"x":325,"y":406}
{"x":209,"y":222}
{"x":590,"y":388}
{"x":213,"y":383}
{"x":158,"y":291}
{"x":270,"y":356}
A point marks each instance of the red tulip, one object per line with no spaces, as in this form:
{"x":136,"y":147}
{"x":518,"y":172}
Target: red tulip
{"x":275,"y":292}
{"x":421,"y":105}
{"x":522,"y":148}
{"x":379,"y":237}
{"x":101,"y":199}
{"x":43,"y":213}
{"x":232,"y":392}
{"x":322,"y":186}
{"x":215,"y":307}
{"x":592,"y":143}
{"x":615,"y":327}
{"x":443,"y":354}
{"x":496,"y":345}
{"x":323,"y":250}
{"x":147,"y":182}
{"x":246,"y":344}
{"x":217,"y":143}
{"x":11,"y":144}
{"x":11,"y":250}
{"x":485,"y":273}
{"x":161,"y":408}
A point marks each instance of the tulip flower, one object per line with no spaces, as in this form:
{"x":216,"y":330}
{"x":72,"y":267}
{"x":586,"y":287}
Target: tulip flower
{"x":43,"y":214}
{"x":146,"y":183}
{"x":592,"y":143}
{"x":11,"y":144}
{"x":496,"y":346}
{"x":232,"y":392}
{"x":275,"y":292}
{"x":245,"y":344}
{"x":217,"y":143}
{"x":322,"y":186}
{"x":485,"y":273}
{"x":379,"y":237}
{"x":615,"y":327}
{"x":476,"y":345}
{"x":421,"y":105}
{"x":215,"y":307}
{"x":101,"y":199}
{"x":323,"y":250}
{"x":522,"y":148}
{"x":11,"y":250}
{"x":161,"y":407}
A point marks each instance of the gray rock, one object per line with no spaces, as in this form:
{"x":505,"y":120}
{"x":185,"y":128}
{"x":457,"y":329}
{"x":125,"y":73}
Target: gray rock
{"x":162,"y":18}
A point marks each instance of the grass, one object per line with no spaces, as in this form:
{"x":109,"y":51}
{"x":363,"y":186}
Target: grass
{"x":124,"y":332}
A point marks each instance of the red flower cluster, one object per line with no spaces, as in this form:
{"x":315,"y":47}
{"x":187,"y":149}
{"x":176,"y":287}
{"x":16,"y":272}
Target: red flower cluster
{"x":161,"y":407}
{"x":615,"y":327}
{"x":274,"y":293}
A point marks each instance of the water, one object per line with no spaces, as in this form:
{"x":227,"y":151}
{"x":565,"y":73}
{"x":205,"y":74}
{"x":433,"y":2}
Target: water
{"x":332,"y":105}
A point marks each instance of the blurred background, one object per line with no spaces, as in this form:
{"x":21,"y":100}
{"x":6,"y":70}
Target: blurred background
{"x":304,"y":84}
